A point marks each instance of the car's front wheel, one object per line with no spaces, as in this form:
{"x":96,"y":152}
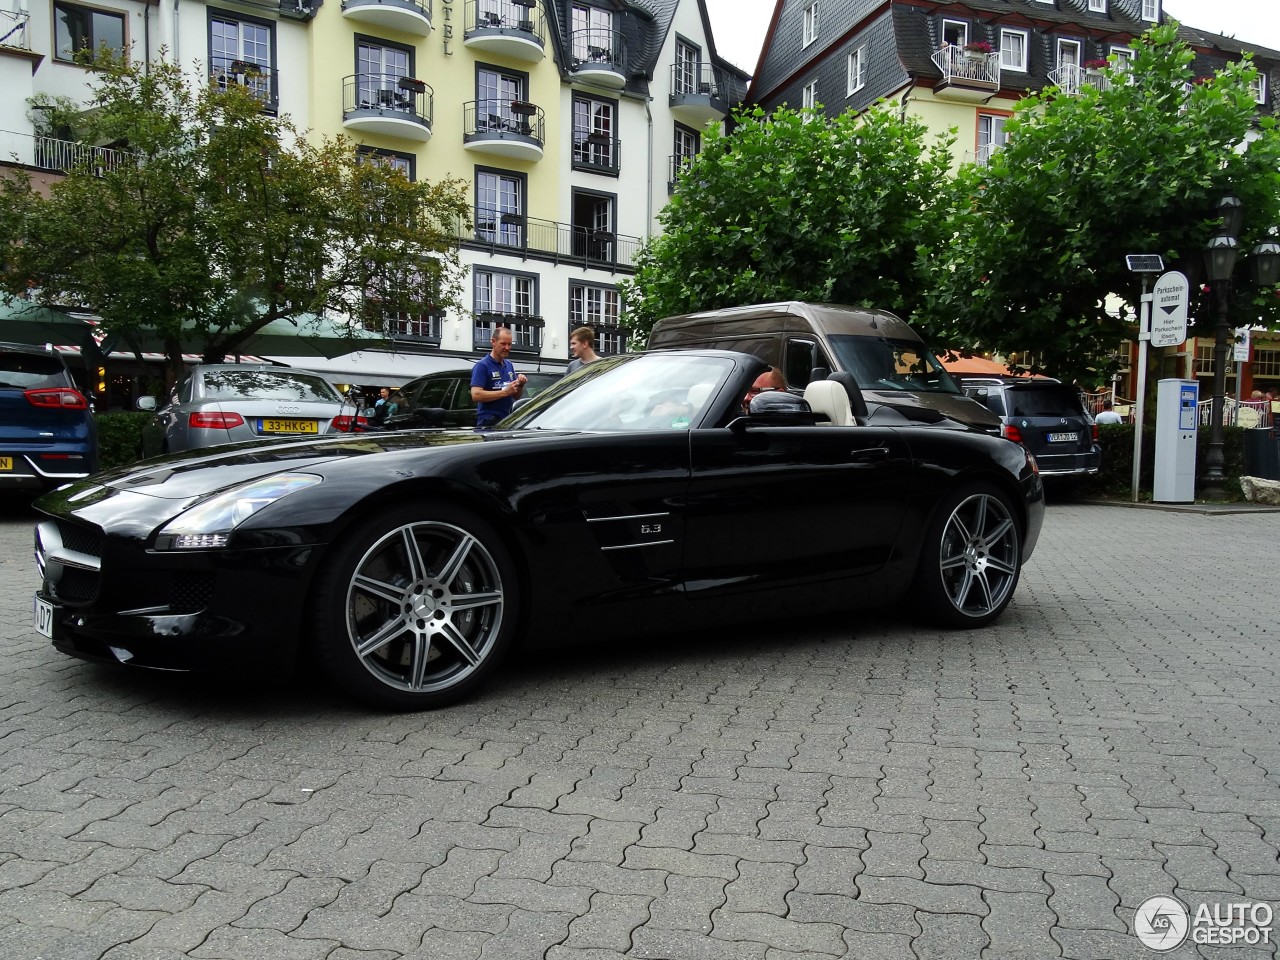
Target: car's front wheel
{"x":971,"y":559}
{"x":417,"y":608}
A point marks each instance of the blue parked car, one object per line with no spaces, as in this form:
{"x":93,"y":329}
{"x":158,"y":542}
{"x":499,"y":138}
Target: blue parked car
{"x":47,"y":433}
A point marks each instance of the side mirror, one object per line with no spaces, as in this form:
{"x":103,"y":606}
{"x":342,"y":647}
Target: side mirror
{"x":146,"y":404}
{"x":777,"y":408}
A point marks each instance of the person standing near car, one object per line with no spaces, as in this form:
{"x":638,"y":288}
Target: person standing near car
{"x":582,"y":344}
{"x":495,"y":385}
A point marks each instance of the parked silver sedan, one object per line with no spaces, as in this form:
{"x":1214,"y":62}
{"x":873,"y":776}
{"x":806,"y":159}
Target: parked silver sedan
{"x":225,"y":403}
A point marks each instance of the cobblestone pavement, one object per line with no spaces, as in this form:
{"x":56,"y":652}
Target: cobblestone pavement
{"x":857,"y":787}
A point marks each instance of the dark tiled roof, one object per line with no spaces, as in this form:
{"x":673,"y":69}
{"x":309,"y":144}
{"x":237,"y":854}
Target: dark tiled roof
{"x":644,"y":25}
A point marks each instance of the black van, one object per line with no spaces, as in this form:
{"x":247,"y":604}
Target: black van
{"x":897,"y":372}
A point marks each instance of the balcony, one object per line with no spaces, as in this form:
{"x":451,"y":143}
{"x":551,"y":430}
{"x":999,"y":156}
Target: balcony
{"x":422,"y":329}
{"x":387,"y":104}
{"x":529,"y":237}
{"x":596,"y":152}
{"x":13,"y":29}
{"x":508,"y":28}
{"x":256,"y":79}
{"x":506,"y":128}
{"x":676,"y":164}
{"x":966,"y":76}
{"x":63,"y":156}
{"x":599,"y":57}
{"x":698,"y":94}
{"x":408,"y":16}
{"x":1071,"y":79}
{"x":526,"y":331}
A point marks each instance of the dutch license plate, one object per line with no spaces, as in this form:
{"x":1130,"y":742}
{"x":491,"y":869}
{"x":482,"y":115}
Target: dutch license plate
{"x":6,"y":463}
{"x":290,"y":426}
{"x":42,"y":614}
{"x":1063,"y":437}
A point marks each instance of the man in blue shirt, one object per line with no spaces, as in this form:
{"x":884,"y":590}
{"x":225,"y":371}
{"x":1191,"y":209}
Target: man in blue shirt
{"x":495,"y":385}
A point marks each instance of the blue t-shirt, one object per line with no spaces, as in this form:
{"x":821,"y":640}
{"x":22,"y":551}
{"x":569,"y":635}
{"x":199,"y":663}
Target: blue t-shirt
{"x":489,"y":374}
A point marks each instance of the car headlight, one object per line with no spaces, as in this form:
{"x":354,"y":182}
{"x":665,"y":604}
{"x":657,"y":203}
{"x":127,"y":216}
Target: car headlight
{"x":210,"y":524}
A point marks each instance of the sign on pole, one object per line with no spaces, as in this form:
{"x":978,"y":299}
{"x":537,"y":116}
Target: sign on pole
{"x":1169,"y":310}
{"x":1242,"y":345}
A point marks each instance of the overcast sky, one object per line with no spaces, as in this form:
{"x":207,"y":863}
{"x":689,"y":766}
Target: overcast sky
{"x":739,"y":25}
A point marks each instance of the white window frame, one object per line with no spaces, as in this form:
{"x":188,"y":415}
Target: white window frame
{"x":809,"y":95}
{"x":1259,"y":88}
{"x":1097,"y":6}
{"x":1151,"y":10}
{"x":1121,"y":58}
{"x":1064,"y":44}
{"x":959,"y":26}
{"x":1022,"y":39}
{"x":856,"y":71}
{"x":809,"y":28}
{"x":994,"y":134}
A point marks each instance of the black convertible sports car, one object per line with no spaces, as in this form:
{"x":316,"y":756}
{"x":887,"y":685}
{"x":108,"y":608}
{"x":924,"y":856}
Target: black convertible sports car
{"x":633,"y":496}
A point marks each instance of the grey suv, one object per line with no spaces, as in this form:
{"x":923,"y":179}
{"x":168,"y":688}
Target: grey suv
{"x":1045,"y":416}
{"x":47,"y":433}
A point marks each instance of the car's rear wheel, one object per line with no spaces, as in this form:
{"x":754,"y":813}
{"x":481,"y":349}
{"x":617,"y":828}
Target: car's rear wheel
{"x":417,"y":608}
{"x":971,"y":559}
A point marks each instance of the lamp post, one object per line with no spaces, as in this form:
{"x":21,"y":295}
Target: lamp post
{"x":1220,"y":255}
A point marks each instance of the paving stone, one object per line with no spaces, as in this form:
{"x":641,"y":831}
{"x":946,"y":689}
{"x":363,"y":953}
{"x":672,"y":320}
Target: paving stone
{"x":1197,"y":868}
{"x":687,"y":903}
{"x":1019,"y":925}
{"x":854,"y":914}
{"x":673,"y":828}
{"x":778,"y":932}
{"x":930,"y":897}
{"x":760,"y":888}
{"x":894,"y":855}
{"x":1100,"y":945}
{"x":949,"y":935}
{"x":1083,"y":902}
{"x":1006,"y":879}
{"x":657,"y":943}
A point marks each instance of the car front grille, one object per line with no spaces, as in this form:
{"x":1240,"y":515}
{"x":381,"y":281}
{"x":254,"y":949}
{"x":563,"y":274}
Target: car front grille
{"x":69,"y":558}
{"x":190,"y":592}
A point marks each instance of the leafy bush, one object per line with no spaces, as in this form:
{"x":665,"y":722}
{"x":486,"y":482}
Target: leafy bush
{"x":119,"y":435}
{"x":1115,"y":478}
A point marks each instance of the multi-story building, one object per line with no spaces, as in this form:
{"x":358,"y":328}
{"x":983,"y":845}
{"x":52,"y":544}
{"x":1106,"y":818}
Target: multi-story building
{"x":568,"y":120}
{"x":965,"y":65}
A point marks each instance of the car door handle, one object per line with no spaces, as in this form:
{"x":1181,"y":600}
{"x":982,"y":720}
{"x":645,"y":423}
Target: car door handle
{"x":869,"y":454}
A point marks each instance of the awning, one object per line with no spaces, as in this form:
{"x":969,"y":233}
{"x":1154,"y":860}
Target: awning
{"x":377,"y":368}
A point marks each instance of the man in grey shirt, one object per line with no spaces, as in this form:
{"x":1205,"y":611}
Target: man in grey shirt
{"x":582,"y":346}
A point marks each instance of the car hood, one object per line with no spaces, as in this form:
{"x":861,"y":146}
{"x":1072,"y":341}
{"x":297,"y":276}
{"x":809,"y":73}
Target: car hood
{"x":925,"y":408}
{"x":195,"y":473}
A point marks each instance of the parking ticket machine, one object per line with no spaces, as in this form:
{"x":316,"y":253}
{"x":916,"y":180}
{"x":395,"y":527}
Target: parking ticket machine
{"x":1176,"y":423}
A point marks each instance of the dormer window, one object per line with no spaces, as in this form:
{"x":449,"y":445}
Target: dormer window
{"x":1098,"y":6}
{"x":1013,"y":50}
{"x":1151,"y":10}
{"x":1258,"y":87}
{"x":810,"y":29}
{"x":955,"y":32}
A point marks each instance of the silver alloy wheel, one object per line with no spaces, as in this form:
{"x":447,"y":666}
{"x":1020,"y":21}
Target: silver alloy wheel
{"x":978,"y":555}
{"x":424,"y":607}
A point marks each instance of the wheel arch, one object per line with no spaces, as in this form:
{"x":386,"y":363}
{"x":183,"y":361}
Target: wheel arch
{"x":496,"y":513}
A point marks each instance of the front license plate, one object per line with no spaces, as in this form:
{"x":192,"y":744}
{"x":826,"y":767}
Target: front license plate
{"x":1063,"y":437}
{"x":290,"y":426}
{"x":42,"y":614}
{"x":6,"y":463}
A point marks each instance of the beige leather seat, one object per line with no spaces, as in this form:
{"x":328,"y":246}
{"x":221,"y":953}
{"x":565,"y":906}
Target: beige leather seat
{"x":826,"y":398}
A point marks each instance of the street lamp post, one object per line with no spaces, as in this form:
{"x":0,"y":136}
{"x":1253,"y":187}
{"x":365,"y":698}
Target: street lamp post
{"x":1220,"y":255}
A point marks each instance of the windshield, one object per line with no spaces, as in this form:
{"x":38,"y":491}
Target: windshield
{"x":267,"y":385}
{"x":880,"y":364}
{"x":630,"y":393}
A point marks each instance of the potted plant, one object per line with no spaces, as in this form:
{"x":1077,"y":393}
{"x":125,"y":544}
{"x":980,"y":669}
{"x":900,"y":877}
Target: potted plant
{"x":1095,"y":66}
{"x":978,"y":49}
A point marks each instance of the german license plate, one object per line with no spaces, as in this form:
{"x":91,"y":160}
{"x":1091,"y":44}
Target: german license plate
{"x":42,"y":614}
{"x":6,"y":463}
{"x":290,"y":426}
{"x":1063,"y":437}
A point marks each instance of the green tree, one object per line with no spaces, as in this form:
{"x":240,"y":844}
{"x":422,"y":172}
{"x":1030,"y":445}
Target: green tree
{"x":794,"y":205}
{"x":1086,"y":178}
{"x":213,"y":219}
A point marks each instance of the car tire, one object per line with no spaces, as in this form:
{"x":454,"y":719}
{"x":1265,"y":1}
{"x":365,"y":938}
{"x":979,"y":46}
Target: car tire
{"x":971,"y":559}
{"x":417,"y":608}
